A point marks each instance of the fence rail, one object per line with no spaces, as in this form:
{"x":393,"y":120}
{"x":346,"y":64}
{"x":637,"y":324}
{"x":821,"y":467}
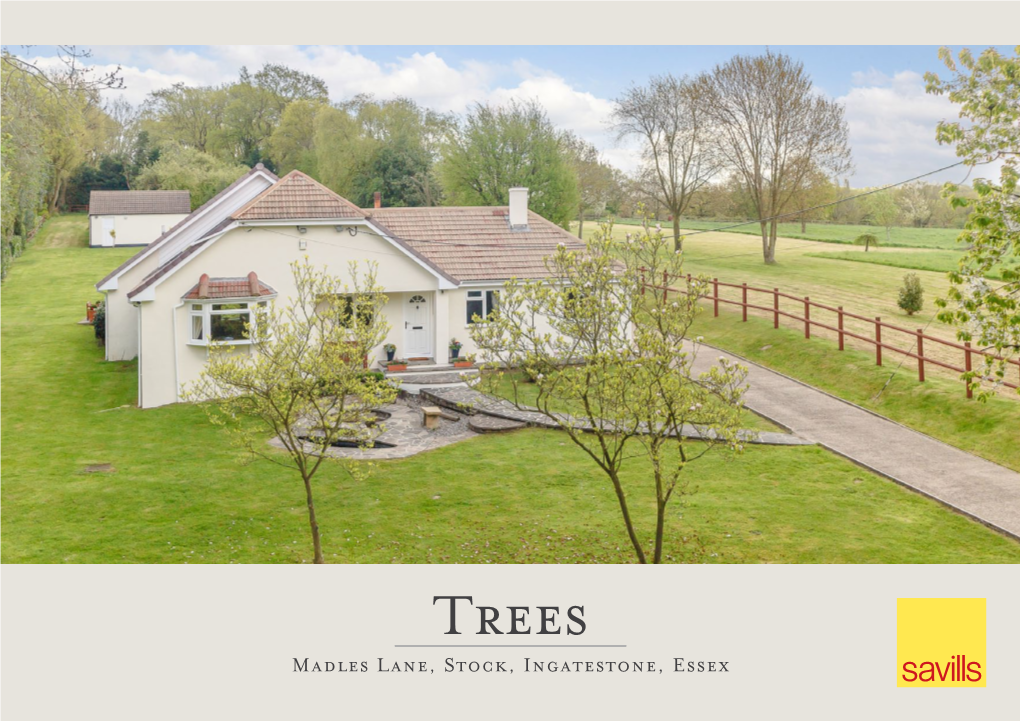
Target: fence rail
{"x":919,"y":337}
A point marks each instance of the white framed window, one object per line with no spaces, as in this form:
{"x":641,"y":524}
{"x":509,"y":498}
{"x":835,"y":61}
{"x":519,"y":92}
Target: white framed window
{"x":481,"y":303}
{"x":222,"y":321}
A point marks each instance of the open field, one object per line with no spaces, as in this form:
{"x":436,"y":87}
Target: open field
{"x":178,"y":494}
{"x":938,"y":261}
{"x":865,"y":289}
{"x":943,"y":238}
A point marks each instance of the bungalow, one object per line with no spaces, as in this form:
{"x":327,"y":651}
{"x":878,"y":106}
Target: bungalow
{"x":134,"y":217}
{"x":199,"y":280}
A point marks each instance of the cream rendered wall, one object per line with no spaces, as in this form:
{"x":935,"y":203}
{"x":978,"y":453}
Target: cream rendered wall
{"x":268,"y":252}
{"x":121,"y":316}
{"x":461,"y":329}
{"x":133,"y":229}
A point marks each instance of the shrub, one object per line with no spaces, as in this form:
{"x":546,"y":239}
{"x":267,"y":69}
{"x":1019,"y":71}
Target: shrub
{"x":911,"y":294}
{"x":99,"y":322}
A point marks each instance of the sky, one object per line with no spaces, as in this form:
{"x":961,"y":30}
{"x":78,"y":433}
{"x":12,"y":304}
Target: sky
{"x":891,"y":119}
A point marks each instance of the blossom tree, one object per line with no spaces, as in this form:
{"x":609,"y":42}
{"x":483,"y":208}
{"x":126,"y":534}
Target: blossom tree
{"x":613,"y":367}
{"x":987,"y":90}
{"x":303,"y":380}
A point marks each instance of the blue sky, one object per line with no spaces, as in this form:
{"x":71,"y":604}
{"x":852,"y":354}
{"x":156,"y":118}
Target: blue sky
{"x":892,"y":120}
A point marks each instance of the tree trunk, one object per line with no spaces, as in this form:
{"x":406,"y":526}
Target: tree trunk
{"x":313,"y":523}
{"x":580,"y":225}
{"x":677,"y":243}
{"x":803,"y":225}
{"x":626,"y":519}
{"x":660,"y":524}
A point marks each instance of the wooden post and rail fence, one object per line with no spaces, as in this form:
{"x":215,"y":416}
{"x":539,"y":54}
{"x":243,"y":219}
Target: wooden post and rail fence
{"x":919,"y":337}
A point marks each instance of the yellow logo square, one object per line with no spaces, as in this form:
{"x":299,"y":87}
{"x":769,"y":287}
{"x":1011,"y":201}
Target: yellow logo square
{"x":940,"y":642}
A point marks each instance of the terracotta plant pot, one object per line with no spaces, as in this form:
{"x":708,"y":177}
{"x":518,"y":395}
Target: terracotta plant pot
{"x":397,"y":367}
{"x":462,"y":364}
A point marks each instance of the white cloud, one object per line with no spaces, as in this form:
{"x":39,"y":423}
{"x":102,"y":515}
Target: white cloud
{"x":892,"y":128}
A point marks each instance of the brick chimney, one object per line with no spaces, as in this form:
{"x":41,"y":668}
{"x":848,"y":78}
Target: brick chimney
{"x":203,"y":286}
{"x":519,"y":208}
{"x":253,"y":284}
{"x":378,"y":199}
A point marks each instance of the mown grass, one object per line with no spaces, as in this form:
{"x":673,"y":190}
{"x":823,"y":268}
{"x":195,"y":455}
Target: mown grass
{"x":64,"y":231}
{"x":936,"y":261}
{"x":904,"y":237}
{"x":938,"y":407}
{"x":178,"y":493}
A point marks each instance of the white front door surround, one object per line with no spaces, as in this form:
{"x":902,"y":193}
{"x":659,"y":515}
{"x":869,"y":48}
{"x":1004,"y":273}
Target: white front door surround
{"x":417,"y":325}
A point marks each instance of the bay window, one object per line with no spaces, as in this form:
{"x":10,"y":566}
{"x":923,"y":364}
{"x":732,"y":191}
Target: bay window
{"x":222,"y":321}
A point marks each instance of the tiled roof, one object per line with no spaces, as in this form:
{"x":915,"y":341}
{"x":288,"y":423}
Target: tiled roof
{"x":139,"y":202}
{"x":297,"y":197}
{"x":474,"y":244}
{"x":259,"y":168}
{"x":212,"y":288}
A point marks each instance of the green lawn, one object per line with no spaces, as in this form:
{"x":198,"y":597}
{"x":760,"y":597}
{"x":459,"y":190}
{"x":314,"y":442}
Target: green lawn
{"x":938,"y":261}
{"x":178,"y":494}
{"x":938,"y":407}
{"x":64,"y":231}
{"x":944,"y":238}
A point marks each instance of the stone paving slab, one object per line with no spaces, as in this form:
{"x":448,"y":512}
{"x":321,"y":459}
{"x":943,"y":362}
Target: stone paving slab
{"x":467,"y":400}
{"x":972,"y":485}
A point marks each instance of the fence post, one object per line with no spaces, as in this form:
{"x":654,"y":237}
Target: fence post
{"x":839,"y":325}
{"x":920,"y":355}
{"x":665,"y":286}
{"x":745,"y":302}
{"x":807,"y":317}
{"x":878,"y":341}
{"x":715,"y":296}
{"x":775,"y":305}
{"x":967,"y":367}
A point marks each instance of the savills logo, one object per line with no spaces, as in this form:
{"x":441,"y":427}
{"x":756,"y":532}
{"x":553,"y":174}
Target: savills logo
{"x":940,"y":642}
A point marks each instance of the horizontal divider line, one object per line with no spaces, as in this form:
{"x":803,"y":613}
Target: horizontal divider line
{"x":509,"y":645}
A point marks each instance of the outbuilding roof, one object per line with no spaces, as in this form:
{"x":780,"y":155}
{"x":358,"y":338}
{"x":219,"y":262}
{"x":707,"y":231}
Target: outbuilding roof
{"x":139,"y":202}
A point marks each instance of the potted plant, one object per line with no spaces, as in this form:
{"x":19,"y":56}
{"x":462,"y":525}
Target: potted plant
{"x":396,"y":365}
{"x":465,"y":362}
{"x":390,"y":351}
{"x":455,"y":346}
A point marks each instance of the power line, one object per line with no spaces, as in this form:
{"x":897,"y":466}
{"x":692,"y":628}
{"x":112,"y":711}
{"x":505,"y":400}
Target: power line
{"x":795,"y":213}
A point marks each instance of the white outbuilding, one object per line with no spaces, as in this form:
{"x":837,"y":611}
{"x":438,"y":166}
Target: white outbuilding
{"x":134,"y":217}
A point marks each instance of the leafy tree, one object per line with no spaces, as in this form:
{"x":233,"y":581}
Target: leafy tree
{"x":185,"y":116}
{"x":188,"y":169}
{"x":815,"y":189}
{"x":303,"y":380}
{"x":670,"y":117}
{"x":867,"y":240}
{"x":774,"y":132}
{"x":594,"y":179}
{"x":883,"y":211}
{"x":498,"y":148}
{"x":987,"y":91}
{"x":620,"y":361}
{"x":911,"y":298}
{"x":922,"y":205}
{"x":292,"y":144}
{"x":109,"y":174}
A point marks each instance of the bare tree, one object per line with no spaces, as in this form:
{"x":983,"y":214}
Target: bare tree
{"x":670,"y":118}
{"x":774,"y":131}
